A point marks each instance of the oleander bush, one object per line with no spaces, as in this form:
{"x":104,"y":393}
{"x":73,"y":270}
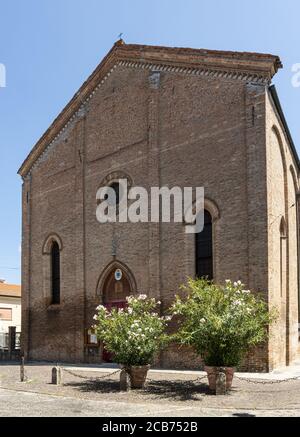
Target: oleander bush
{"x":221,"y":322}
{"x":132,"y":334}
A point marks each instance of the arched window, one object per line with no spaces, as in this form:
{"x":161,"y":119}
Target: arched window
{"x":115,"y":181}
{"x":204,"y":246}
{"x":55,"y":273}
{"x":283,"y":236}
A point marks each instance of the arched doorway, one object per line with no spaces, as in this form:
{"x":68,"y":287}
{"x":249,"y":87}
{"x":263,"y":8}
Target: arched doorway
{"x":116,"y":288}
{"x":116,"y":283}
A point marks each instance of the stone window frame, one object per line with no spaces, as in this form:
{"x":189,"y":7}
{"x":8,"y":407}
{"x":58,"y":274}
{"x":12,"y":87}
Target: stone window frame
{"x":190,"y":241}
{"x":47,"y":275}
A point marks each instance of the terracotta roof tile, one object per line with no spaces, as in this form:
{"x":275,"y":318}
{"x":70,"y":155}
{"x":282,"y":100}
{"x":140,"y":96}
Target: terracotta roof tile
{"x":10,"y":290}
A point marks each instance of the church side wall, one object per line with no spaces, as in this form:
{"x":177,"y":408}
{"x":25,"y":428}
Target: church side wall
{"x":282,"y":247}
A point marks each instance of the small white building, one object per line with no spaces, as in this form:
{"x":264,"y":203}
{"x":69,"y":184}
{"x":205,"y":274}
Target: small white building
{"x":10,"y":306}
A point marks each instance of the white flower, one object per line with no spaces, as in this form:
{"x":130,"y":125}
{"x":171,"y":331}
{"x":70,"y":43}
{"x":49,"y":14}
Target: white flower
{"x":239,"y":282}
{"x":228,"y":281}
{"x":142,"y":296}
{"x":95,"y":317}
{"x":246,"y":291}
{"x":202,"y":320}
{"x":129,"y":310}
{"x":100,"y":307}
{"x":130,"y":298}
{"x":135,"y":324}
{"x":159,"y":302}
{"x":235,"y":284}
{"x":168,"y":318}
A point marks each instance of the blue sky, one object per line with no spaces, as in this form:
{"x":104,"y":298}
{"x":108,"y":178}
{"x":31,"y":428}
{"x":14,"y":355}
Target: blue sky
{"x":49,"y":48}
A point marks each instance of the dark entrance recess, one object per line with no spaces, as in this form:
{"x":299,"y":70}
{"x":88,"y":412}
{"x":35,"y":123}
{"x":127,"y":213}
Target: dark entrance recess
{"x":114,"y":296}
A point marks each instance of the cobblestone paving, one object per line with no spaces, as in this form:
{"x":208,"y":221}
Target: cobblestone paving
{"x":165,"y":394}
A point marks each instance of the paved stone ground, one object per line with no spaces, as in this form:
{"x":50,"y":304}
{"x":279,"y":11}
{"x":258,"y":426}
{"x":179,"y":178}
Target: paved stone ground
{"x":41,"y":405}
{"x":94,"y":392}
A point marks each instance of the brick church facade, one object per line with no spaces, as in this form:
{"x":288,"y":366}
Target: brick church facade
{"x":161,"y":116}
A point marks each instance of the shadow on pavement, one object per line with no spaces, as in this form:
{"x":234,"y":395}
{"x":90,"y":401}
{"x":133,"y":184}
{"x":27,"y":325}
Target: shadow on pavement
{"x":176,"y":390}
{"x":243,"y":415}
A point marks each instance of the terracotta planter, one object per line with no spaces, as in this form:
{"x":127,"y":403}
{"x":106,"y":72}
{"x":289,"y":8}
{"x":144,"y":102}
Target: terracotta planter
{"x":138,"y":375}
{"x":212,"y":373}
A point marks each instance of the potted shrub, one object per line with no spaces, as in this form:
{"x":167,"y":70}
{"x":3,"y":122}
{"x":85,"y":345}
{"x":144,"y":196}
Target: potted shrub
{"x":221,"y":322}
{"x":132,"y":334}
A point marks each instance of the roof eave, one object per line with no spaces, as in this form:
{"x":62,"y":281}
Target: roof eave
{"x":10,"y":296}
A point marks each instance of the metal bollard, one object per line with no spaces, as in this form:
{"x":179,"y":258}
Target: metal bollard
{"x":124,"y":381}
{"x":22,"y":370}
{"x":221,"y":382}
{"x":56,"y":376}
{"x":11,"y":341}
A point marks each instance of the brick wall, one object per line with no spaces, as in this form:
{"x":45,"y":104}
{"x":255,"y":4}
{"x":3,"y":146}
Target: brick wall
{"x":172,"y":130}
{"x":282,"y":185}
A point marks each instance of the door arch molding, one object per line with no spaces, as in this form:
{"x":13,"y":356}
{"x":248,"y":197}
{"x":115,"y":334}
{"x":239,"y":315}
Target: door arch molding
{"x":109,"y":269}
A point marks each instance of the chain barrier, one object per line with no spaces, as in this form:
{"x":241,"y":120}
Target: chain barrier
{"x":249,"y":380}
{"x":77,"y":375}
{"x":264,"y":382}
{"x":96,"y":378}
{"x":200,"y":378}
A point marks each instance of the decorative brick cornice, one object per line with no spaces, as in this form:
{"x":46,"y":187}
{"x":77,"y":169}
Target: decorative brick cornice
{"x":248,"y":77}
{"x":248,"y":67}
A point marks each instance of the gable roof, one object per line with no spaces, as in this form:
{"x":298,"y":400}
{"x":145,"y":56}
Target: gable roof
{"x":10,"y":290}
{"x":255,"y":67}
